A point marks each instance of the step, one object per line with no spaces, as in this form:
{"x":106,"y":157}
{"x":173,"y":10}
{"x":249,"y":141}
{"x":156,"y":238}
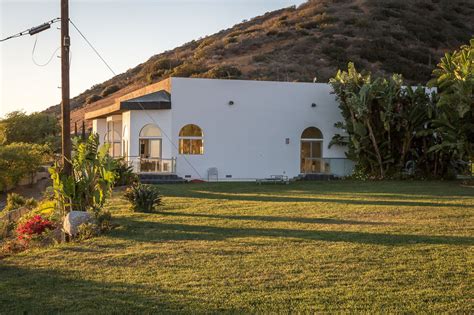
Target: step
{"x":155,"y":179}
{"x":158,"y":182}
{"x":315,"y":177}
{"x":158,"y":176}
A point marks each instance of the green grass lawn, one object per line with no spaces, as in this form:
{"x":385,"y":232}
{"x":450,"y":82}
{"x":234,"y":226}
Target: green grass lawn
{"x":323,"y":246}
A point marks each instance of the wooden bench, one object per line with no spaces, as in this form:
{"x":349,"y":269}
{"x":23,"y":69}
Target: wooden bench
{"x":275,"y":179}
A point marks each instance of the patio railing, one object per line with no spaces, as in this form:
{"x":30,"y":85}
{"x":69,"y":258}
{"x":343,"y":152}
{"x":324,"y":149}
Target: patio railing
{"x":152,"y":165}
{"x":334,"y":166}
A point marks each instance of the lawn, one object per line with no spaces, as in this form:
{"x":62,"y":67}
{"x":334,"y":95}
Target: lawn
{"x":312,"y":247}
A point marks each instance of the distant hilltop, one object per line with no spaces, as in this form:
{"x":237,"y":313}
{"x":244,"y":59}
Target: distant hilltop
{"x":307,"y":42}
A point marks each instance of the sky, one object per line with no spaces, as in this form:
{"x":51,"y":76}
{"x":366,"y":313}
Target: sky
{"x":125,"y":33}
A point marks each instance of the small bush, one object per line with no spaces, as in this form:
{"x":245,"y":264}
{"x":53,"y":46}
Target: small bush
{"x":86,"y":231}
{"x":272,"y":32}
{"x":144,"y":198}
{"x":230,"y":40}
{"x":13,"y":246}
{"x":188,"y":69}
{"x":93,"y":98}
{"x":124,"y":173}
{"x":33,"y":227}
{"x":224,"y":72}
{"x":259,"y":58}
{"x":3,"y":228}
{"x":307,"y":25}
{"x":15,"y":201}
{"x":104,"y":221}
{"x":46,"y":209}
{"x":109,"y":90}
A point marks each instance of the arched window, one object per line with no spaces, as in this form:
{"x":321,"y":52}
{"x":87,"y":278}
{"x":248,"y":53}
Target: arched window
{"x":312,"y":151}
{"x":150,"y":131}
{"x":191,"y":140}
{"x":150,"y":142}
{"x":312,"y":133}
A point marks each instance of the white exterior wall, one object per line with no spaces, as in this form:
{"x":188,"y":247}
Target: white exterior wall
{"x":247,"y":139}
{"x":99,"y":126}
{"x":126,"y":127}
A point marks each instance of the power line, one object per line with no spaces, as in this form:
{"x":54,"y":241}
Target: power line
{"x":139,"y":103}
{"x":33,"y":55}
{"x":33,"y":30}
{"x":91,"y":46}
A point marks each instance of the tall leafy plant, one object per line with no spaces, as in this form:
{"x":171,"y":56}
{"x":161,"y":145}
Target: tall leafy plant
{"x":454,"y":78}
{"x":92,"y":178}
{"x":384,"y":122}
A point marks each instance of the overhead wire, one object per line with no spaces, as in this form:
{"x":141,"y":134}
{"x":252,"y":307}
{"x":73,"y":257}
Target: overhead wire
{"x":139,"y":103}
{"x":25,"y":32}
{"x":33,"y":55}
{"x":91,"y":46}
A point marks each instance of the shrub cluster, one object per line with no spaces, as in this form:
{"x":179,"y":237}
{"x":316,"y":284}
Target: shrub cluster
{"x":223,"y":72}
{"x":143,"y":198}
{"x":93,"y":98}
{"x":33,"y":227}
{"x":18,"y":160}
{"x":15,"y":201}
{"x":109,"y":90}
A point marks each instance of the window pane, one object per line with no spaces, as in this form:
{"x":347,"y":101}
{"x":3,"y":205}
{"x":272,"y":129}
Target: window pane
{"x":316,"y":149}
{"x":197,"y":147}
{"x":190,"y":131}
{"x":312,"y":133}
{"x":150,"y":131}
{"x":155,"y":148}
{"x":185,"y":146}
{"x":117,"y":149}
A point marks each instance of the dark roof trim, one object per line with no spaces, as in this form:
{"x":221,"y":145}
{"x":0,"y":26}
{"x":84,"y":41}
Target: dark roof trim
{"x":125,"y":106}
{"x":155,"y":100}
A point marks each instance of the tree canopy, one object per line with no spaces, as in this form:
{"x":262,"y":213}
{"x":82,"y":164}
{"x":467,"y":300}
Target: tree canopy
{"x":38,"y":128}
{"x":454,"y":78}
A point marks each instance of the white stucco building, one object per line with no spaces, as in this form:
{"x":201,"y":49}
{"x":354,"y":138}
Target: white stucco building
{"x":241,"y":130}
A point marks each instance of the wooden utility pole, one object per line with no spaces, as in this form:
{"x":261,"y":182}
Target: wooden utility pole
{"x":65,"y":110}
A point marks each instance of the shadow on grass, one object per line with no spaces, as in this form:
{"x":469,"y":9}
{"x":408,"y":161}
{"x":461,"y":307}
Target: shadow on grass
{"x":144,"y":231}
{"x":48,"y":291}
{"x":268,"y":218}
{"x":244,"y":196}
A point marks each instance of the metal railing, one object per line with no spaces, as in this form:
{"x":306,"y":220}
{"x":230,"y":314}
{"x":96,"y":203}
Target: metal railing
{"x":152,"y":165}
{"x":334,"y":166}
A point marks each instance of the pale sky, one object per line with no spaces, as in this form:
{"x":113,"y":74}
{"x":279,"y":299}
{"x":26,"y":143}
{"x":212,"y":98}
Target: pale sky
{"x":126,"y":33}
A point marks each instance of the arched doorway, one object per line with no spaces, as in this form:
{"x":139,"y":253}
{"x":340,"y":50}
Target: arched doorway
{"x":150,"y":148}
{"x":312,"y":151}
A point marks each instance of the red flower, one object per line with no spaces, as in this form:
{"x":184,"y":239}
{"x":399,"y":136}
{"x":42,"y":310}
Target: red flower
{"x":34,"y":226}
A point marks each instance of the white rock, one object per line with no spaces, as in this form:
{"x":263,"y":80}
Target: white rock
{"x":73,"y":219}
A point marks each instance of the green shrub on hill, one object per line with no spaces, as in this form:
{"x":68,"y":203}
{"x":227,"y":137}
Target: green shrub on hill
{"x":109,"y":90}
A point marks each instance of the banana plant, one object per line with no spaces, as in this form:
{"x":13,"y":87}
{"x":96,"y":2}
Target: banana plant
{"x":91,"y":182}
{"x":454,"y":78}
{"x":381,"y":119}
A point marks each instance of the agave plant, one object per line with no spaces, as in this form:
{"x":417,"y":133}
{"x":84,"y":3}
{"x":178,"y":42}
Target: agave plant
{"x":144,"y":198}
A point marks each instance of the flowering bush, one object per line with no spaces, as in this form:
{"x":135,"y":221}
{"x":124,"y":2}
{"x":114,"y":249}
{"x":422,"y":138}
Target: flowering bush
{"x":33,"y":227}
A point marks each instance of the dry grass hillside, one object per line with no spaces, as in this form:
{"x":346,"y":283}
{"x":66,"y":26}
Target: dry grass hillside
{"x":312,"y":40}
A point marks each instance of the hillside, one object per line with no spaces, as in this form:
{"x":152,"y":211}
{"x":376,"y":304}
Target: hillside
{"x":313,"y":40}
